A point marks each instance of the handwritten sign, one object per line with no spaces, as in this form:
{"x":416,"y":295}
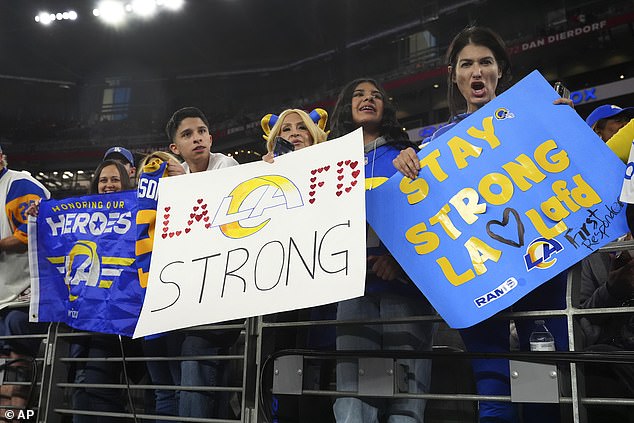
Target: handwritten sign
{"x":258,"y":238}
{"x":508,"y":198}
{"x":81,"y":258}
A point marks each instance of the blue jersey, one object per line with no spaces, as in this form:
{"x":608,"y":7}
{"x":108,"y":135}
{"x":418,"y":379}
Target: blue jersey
{"x":147,"y":197}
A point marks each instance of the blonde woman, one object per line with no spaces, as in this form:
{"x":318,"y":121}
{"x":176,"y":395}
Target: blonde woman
{"x":295,"y":126}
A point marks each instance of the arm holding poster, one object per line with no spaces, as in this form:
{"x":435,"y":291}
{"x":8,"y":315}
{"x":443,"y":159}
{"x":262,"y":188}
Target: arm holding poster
{"x":503,"y":202}
{"x":363,"y":103}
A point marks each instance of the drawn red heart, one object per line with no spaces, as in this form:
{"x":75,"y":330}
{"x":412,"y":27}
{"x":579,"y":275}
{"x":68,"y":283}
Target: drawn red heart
{"x":167,"y":208}
{"x":347,"y":162}
{"x":338,"y":193}
{"x":321,"y":184}
{"x":208,"y":225}
{"x":206,"y":219}
{"x":164,"y":236}
{"x":312,"y":186}
{"x":166,"y":222}
{"x":339,"y":163}
{"x":312,"y":172}
{"x":355,"y":174}
{"x":189,"y":222}
{"x":321,"y":169}
{"x":171,"y":234}
{"x":340,"y":177}
{"x":339,"y":186}
{"x":198,"y":217}
{"x":204,"y":206}
{"x":187,"y":230}
{"x":354,"y":164}
{"x":191,"y":215}
{"x":353,"y":183}
{"x":204,"y":213}
{"x":178,"y":233}
{"x":166,"y":216}
{"x":311,"y":201}
{"x":313,"y":179}
{"x":166,"y":229}
{"x":200,"y":200}
{"x":340,"y":170}
{"x":312,"y":193}
{"x":196,"y":208}
{"x":348,"y":189}
{"x":327,"y":168}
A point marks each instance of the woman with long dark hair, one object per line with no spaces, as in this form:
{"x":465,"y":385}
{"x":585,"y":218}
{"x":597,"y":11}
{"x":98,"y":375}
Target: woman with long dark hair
{"x":388,"y":294}
{"x":479,"y":69}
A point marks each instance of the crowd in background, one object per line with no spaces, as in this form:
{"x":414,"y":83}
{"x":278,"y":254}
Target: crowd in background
{"x":479,"y":69}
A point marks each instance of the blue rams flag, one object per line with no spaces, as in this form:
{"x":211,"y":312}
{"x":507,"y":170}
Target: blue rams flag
{"x":505,"y":200}
{"x":82,"y":260}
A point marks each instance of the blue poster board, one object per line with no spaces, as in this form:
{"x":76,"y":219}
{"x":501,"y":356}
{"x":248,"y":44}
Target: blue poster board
{"x":505,"y":200}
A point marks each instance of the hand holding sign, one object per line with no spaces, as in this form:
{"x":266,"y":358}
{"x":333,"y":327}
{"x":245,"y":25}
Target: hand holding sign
{"x":503,"y":202}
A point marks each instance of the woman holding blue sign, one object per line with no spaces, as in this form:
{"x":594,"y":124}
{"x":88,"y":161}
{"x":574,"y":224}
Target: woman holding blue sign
{"x":388,"y":294}
{"x":478,"y":70}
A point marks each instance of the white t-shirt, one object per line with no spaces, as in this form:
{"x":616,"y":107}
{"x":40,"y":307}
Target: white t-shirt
{"x":216,"y":161}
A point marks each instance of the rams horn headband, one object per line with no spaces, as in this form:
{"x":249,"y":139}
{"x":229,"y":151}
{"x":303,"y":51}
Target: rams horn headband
{"x":318,"y":115}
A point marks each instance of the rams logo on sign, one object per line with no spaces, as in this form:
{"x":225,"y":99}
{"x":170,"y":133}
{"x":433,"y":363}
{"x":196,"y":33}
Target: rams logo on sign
{"x":502,"y":113}
{"x":243,"y":212}
{"x":539,"y":253}
{"x":83,"y":264}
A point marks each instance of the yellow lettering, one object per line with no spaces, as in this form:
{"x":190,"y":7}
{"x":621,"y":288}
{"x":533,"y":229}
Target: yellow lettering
{"x":424,"y":242}
{"x":540,"y":225}
{"x":506,"y":188}
{"x":461,"y":149}
{"x":563,"y":195}
{"x":524,"y":169}
{"x":558,"y":161}
{"x":55,"y":208}
{"x":584,"y":195}
{"x":445,"y":221}
{"x":554,"y":210}
{"x":480,"y":252}
{"x":416,"y":189}
{"x":469,"y":209}
{"x":487,"y":134}
{"x":450,"y":274}
{"x":431,"y":161}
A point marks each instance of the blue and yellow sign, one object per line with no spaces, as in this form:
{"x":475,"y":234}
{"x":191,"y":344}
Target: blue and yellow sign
{"x":504,"y":201}
{"x":83,"y":248}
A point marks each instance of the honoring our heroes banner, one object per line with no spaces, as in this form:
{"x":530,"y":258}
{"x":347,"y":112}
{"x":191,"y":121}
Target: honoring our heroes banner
{"x":508,"y":198}
{"x":81,"y":256}
{"x":258,"y":238}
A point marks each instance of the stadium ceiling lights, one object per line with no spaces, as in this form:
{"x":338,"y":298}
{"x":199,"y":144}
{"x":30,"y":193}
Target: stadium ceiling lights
{"x":46,"y":18}
{"x":115,"y":12}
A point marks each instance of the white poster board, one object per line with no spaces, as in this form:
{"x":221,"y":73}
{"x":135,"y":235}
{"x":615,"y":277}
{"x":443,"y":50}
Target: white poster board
{"x":258,"y":238}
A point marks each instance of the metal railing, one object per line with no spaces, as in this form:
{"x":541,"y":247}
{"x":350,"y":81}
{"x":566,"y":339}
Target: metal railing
{"x":253,"y":360}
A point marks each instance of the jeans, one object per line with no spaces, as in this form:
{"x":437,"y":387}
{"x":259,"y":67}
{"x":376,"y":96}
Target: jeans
{"x":93,"y":372}
{"x":198,"y":373}
{"x":16,"y":322}
{"x":492,"y":335}
{"x":165,"y":372}
{"x":401,"y":336}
